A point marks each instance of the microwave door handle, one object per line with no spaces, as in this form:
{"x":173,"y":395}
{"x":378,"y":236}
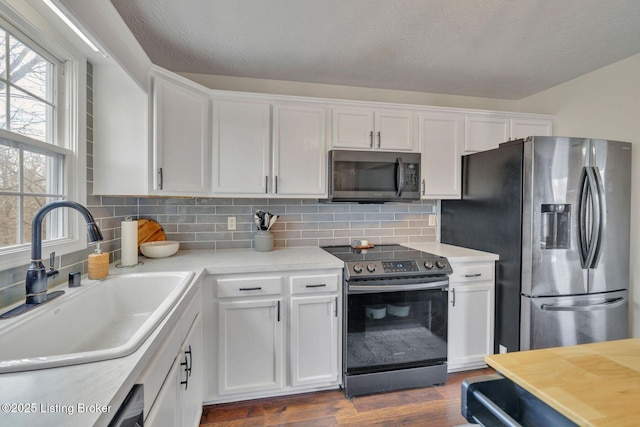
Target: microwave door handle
{"x":400,"y":176}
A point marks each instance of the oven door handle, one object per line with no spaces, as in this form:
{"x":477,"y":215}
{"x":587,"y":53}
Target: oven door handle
{"x":360,"y":289}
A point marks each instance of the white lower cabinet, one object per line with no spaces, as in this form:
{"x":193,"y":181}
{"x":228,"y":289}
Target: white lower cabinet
{"x":471,"y":315}
{"x":271,"y":334}
{"x":173,"y":379}
{"x":314,"y":339}
{"x":250,"y":346}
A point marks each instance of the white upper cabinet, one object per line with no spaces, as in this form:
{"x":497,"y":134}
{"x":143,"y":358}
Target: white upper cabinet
{"x":248,"y":162}
{"x":485,"y":132}
{"x":241,"y":136}
{"x":181,"y":137}
{"x":524,"y":127}
{"x":299,"y":150}
{"x":121,"y":161}
{"x":441,"y":140}
{"x":371,"y":129}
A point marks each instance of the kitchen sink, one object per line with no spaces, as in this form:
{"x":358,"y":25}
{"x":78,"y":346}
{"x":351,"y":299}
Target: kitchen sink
{"x":100,"y":320}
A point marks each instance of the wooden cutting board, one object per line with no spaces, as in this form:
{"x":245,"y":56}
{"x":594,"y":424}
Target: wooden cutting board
{"x":149,"y":231}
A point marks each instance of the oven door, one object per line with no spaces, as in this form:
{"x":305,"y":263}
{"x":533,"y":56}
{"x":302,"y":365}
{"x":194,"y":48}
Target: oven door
{"x":395,"y":324}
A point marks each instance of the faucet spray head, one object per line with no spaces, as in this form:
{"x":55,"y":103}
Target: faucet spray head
{"x":94,"y":232}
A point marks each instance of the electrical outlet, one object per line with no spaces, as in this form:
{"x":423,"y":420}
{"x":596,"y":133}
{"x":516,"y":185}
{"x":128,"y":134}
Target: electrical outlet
{"x":502,"y":349}
{"x":432,"y":220}
{"x":231,"y":223}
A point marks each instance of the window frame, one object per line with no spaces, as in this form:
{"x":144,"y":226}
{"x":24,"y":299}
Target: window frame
{"x":69,"y":133}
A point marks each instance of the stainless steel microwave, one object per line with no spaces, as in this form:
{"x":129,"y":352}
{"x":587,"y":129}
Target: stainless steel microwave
{"x":373,"y":176}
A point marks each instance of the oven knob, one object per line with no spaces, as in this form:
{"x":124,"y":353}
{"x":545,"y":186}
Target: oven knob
{"x":357,"y":268}
{"x":428,"y":265}
{"x":371,"y":268}
{"x":441,"y":264}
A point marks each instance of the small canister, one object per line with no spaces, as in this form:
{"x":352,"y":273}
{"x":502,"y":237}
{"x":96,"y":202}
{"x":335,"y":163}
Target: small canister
{"x":98,"y":265}
{"x":264,"y":241}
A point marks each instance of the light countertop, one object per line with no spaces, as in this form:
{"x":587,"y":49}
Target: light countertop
{"x":87,"y":390}
{"x":454,"y":253}
{"x":591,"y":384}
{"x":90,"y":394}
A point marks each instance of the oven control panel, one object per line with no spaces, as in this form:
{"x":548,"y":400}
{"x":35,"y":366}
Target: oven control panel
{"x":399,"y":266}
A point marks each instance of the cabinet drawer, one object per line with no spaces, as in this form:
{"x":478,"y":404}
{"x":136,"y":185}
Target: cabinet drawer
{"x":314,"y":283}
{"x":249,"y":286}
{"x":472,"y":272}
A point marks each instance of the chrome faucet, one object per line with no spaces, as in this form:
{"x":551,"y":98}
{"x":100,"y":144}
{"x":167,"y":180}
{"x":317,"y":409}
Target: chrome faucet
{"x":37,"y":274}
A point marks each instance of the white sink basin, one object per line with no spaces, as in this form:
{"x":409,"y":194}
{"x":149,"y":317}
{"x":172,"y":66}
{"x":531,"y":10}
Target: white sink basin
{"x":101,"y":320}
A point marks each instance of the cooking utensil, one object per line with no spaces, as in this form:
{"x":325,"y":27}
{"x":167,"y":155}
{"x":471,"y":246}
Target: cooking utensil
{"x":272,"y":221}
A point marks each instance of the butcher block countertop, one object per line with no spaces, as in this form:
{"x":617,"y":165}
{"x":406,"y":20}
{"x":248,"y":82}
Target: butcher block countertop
{"x":591,"y":384}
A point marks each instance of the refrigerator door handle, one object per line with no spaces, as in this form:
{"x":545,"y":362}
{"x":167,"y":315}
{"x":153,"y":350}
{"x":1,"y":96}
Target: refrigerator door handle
{"x":583,"y":218}
{"x":589,"y":217}
{"x":599,"y":217}
{"x":611,"y":303}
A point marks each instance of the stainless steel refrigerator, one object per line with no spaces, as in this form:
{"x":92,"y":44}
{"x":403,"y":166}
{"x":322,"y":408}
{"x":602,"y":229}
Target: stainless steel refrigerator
{"x":557,"y":211}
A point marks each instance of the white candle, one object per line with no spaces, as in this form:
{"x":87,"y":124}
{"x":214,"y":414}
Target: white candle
{"x":129,"y":243}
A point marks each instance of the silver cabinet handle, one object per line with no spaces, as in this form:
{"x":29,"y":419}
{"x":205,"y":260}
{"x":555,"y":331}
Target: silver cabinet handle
{"x":278,"y":310}
{"x":379,"y":139}
{"x":276,"y":185}
{"x":266,"y":184}
{"x":371,"y":139}
{"x":473,"y":275}
{"x":161,"y":178}
{"x":336,"y":312}
{"x":257,"y":288}
{"x":453,"y":297}
{"x":424,"y":187}
{"x":320,"y":285}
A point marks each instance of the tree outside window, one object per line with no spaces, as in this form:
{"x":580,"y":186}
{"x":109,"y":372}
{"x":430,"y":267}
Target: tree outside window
{"x":30,"y":174}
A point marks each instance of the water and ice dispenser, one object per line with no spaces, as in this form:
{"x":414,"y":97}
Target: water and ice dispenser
{"x":555,"y":226}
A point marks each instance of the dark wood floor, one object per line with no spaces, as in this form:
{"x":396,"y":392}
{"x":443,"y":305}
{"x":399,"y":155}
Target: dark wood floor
{"x":432,"y":406}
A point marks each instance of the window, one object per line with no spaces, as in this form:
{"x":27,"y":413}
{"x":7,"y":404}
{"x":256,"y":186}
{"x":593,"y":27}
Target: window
{"x":38,"y":155}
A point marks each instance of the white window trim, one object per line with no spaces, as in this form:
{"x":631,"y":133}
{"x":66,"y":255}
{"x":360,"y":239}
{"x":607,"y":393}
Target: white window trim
{"x":71,"y":127}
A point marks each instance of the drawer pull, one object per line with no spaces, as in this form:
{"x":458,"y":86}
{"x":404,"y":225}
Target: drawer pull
{"x":473,"y":275}
{"x":258,"y":288}
{"x":320,"y":285}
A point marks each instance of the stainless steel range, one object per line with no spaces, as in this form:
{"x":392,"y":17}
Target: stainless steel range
{"x":395,"y":318}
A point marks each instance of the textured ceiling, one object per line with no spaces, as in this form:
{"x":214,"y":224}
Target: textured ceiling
{"x":489,"y":48}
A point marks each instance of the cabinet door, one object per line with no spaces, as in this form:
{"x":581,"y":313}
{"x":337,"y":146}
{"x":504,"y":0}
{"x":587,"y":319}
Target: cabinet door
{"x":249,"y":346}
{"x":165,"y":412}
{"x":441,"y":139}
{"x":241,"y":137}
{"x":191,"y":376}
{"x":394,"y":131}
{"x":485,"y":133}
{"x":522,"y":128}
{"x":122,"y":162}
{"x":470,"y":335}
{"x":352,"y":128}
{"x":181,"y":138}
{"x":299,"y":151}
{"x":314,"y":340}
